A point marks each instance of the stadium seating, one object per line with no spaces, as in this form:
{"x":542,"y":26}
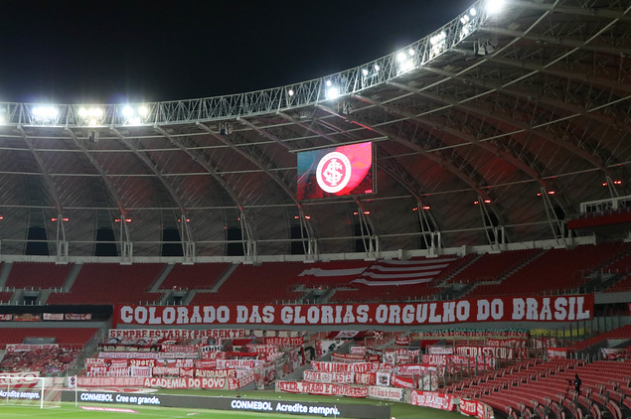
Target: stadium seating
{"x":37,"y":275}
{"x":99,"y":283}
{"x":490,"y":267}
{"x":199,"y":276}
{"x":63,"y":336}
{"x":266,"y":283}
{"x":557,"y":270}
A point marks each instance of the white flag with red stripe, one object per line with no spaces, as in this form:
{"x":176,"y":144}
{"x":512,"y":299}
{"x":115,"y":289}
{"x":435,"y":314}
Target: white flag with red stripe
{"x":402,"y":272}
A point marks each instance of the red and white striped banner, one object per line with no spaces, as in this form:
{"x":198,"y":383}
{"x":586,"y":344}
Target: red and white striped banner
{"x":432,"y":399}
{"x":322,"y":389}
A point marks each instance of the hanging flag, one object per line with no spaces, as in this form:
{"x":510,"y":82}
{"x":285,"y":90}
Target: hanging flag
{"x":402,"y":272}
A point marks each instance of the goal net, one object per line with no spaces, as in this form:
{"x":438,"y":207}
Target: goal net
{"x":42,"y":392}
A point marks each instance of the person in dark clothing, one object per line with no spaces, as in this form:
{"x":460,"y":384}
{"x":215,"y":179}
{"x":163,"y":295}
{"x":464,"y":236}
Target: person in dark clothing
{"x":577,"y":383}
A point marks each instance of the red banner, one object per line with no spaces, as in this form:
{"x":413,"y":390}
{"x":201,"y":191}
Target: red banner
{"x":557,"y":353}
{"x":386,"y":393}
{"x":322,"y":389}
{"x":402,"y":382}
{"x":27,"y":317}
{"x":285,"y":342}
{"x":6,"y":317}
{"x":475,"y":408}
{"x":329,"y":377}
{"x":354,"y":358}
{"x":432,"y":399}
{"x":366,"y":378}
{"x":53,"y":316}
{"x":344,"y":367}
{"x":538,"y":308}
{"x":171,"y":383}
{"x":82,"y":317}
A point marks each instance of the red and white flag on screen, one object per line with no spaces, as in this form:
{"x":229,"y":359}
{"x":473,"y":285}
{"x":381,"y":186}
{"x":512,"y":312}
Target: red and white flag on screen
{"x":402,"y":272}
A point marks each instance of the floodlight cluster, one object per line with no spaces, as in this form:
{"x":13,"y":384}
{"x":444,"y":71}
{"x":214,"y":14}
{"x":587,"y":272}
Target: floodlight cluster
{"x":135,"y":115}
{"x":92,"y":117}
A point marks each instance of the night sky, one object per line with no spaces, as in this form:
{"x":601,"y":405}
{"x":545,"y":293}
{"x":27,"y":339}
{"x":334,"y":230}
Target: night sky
{"x":93,"y":51}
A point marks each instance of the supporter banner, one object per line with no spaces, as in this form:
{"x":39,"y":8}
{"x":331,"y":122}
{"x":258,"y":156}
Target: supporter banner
{"x":166,"y":371}
{"x":472,"y":333}
{"x":344,"y":367}
{"x":557,"y":353}
{"x":354,"y":358}
{"x":143,"y":363}
{"x":206,"y":373}
{"x":239,"y":363}
{"x":27,"y":317}
{"x":613,"y":353}
{"x":206,"y":363}
{"x":53,"y":316}
{"x":322,"y":389}
{"x":432,"y":399}
{"x":173,"y":383}
{"x":403,"y":341}
{"x":180,"y":348}
{"x":329,"y":377}
{"x":475,"y":408}
{"x":175,"y":334}
{"x":82,"y":317}
{"x":386,"y":393}
{"x":110,"y":381}
{"x":6,"y":317}
{"x":286,"y":342}
{"x":415,"y":369}
{"x":20,"y":347}
{"x":486,"y":351}
{"x":140,"y":371}
{"x":358,"y":350}
{"x":440,"y":350}
{"x":366,"y":378}
{"x":538,"y":308}
{"x":235,"y":383}
{"x":402,"y":382}
{"x":129,"y":355}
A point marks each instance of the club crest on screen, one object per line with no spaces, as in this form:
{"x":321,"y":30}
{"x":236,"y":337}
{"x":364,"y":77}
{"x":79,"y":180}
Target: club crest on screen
{"x":333,"y":172}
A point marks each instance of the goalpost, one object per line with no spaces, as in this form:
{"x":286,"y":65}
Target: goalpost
{"x":42,"y":392}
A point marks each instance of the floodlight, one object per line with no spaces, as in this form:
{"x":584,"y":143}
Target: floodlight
{"x":401,"y":57}
{"x":377,"y":68}
{"x":128,"y":112}
{"x":411,"y":52}
{"x":473,"y":12}
{"x":464,"y":19}
{"x":143,"y":111}
{"x":328,"y":83}
{"x":332,"y":92}
{"x":45,"y":112}
{"x":364,"y":72}
{"x":494,"y":6}
{"x":290,"y":92}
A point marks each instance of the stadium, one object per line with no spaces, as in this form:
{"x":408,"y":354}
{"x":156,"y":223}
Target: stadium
{"x":442,"y":229}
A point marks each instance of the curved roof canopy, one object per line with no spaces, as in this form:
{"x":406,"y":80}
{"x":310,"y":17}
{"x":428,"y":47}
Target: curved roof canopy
{"x":523,"y":110}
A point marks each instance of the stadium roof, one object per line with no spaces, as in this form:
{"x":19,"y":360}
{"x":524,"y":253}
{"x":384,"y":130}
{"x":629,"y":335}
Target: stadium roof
{"x":499,"y":124}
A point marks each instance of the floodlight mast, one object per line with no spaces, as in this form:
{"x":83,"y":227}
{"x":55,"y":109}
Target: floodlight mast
{"x":297,"y":95}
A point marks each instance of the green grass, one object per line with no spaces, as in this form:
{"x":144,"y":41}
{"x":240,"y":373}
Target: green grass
{"x":68,"y":410}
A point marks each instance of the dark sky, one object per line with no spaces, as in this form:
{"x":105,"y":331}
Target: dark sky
{"x":93,"y":51}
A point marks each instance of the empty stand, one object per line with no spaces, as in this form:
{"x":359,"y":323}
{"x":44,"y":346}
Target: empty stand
{"x":490,"y":267}
{"x":199,"y":276}
{"x":62,"y":336}
{"x":101,"y":283}
{"x":37,"y":275}
{"x":557,"y":270}
{"x":267,"y":283}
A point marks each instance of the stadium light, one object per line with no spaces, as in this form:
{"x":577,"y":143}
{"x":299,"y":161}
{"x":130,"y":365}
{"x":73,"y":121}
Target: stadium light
{"x":134,"y":116}
{"x":290,"y":92}
{"x":45,"y":114}
{"x":494,"y":6}
{"x":91,"y":116}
